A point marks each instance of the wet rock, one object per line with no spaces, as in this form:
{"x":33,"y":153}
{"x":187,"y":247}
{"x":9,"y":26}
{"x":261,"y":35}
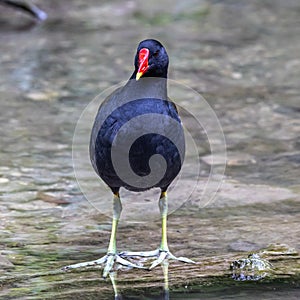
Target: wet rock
{"x":42,"y":96}
{"x":37,"y":205}
{"x":279,"y":249}
{"x":22,"y":196}
{"x":232,"y":159}
{"x":248,"y":194}
{"x":240,"y":159}
{"x":243,"y":246}
{"x":251,"y":268}
{"x":51,"y":199}
{"x":3,"y":180}
{"x":5,"y":263}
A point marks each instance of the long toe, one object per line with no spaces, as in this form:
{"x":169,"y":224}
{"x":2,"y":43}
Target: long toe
{"x":127,"y":263}
{"x":181,"y":258}
{"x":163,"y":255}
{"x":153,"y":253}
{"x":96,"y":262}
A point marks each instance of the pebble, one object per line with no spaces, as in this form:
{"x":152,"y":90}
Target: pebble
{"x":39,"y":96}
{"x":4,"y":180}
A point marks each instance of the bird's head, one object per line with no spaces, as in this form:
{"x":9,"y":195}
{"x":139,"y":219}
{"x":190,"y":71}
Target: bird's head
{"x":151,"y":60}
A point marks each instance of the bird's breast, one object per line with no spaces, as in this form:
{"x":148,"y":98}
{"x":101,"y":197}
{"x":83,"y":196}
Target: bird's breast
{"x":145,"y":136}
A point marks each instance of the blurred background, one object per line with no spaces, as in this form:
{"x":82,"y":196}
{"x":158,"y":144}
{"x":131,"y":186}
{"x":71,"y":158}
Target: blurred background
{"x":241,"y":56}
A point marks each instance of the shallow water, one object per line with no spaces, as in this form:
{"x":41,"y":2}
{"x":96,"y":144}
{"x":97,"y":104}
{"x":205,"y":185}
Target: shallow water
{"x":242,"y":58}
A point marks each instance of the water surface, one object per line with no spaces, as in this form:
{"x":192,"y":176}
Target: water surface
{"x":244,"y":60}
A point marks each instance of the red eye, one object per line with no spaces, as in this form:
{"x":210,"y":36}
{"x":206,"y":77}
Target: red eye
{"x":155,"y":54}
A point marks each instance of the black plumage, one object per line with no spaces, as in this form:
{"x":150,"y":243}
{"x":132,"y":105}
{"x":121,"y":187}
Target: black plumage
{"x":145,"y":146}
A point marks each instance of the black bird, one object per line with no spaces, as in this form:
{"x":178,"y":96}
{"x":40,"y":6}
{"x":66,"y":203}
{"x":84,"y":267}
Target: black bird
{"x":29,"y":8}
{"x":137,"y":142}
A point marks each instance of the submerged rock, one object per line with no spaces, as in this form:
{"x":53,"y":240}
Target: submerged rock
{"x":251,"y":268}
{"x":5,"y":263}
{"x":257,"y":265}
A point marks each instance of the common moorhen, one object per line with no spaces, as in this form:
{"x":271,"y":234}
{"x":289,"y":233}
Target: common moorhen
{"x":137,"y":143}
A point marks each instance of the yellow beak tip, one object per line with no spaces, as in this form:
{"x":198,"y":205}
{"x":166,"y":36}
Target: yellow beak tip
{"x":138,"y":75}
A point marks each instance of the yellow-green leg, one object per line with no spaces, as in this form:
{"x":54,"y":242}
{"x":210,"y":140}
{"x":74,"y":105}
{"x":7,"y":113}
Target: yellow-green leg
{"x":112,"y":256}
{"x":163,"y":252}
{"x":163,"y":208}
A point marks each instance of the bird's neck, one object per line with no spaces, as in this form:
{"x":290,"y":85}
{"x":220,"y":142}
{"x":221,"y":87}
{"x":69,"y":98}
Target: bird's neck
{"x":148,"y":87}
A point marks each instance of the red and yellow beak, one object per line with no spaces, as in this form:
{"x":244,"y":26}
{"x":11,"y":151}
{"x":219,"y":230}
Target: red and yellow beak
{"x":143,"y":63}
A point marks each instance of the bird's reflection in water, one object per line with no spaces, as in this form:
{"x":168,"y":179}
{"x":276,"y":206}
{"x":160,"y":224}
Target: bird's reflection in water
{"x":113,"y":277}
{"x":165,"y":293}
{"x":165,"y":267}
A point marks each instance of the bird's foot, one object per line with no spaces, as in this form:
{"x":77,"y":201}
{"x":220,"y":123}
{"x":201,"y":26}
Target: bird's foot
{"x":161,"y":255}
{"x":109,"y":260}
{"x":166,"y":254}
